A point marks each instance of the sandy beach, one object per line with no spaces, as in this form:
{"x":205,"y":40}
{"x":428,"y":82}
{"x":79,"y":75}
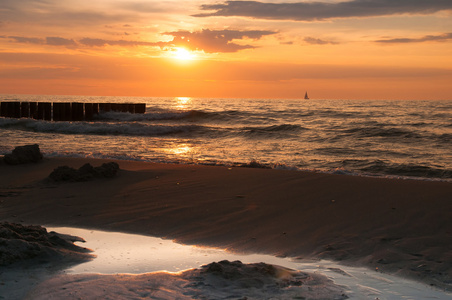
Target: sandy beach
{"x":397,"y":226}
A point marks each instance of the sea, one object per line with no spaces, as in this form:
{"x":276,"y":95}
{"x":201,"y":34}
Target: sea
{"x":407,"y":139}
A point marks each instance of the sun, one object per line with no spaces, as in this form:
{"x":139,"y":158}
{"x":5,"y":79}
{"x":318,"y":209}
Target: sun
{"x":183,"y":54}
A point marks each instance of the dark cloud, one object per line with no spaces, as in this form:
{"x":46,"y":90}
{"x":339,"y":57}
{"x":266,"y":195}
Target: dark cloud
{"x":26,"y":40}
{"x":58,"y":41}
{"x":427,"y":38}
{"x":52,"y":41}
{"x":314,"y":41}
{"x":312,"y":11}
{"x":209,"y":41}
{"x":214,"y":41}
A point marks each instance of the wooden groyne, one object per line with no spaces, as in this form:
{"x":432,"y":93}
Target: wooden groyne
{"x":65,"y":111}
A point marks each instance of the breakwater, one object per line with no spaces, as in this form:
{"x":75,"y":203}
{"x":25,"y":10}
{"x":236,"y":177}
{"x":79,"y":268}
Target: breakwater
{"x":65,"y":111}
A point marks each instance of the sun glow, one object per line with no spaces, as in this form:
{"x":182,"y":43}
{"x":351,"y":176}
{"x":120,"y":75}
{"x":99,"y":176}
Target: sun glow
{"x":183,"y":54}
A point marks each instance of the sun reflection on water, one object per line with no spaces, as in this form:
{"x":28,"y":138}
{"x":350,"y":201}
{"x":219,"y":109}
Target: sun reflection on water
{"x":182,"y":149}
{"x":182,"y":102}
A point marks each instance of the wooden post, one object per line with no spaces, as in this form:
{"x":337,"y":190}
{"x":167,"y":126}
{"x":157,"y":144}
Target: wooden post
{"x":131,"y":108}
{"x":105,"y":107}
{"x":24,"y":110}
{"x":115,"y":107}
{"x":67,"y":112}
{"x":34,"y":110}
{"x":140,"y":108}
{"x":89,"y":111}
{"x":77,"y":111}
{"x":47,"y":111}
{"x":95,"y":108}
{"x":4,"y":109}
{"x":40,"y":115}
{"x":124,"y":107}
{"x":16,"y":110}
{"x":57,"y":111}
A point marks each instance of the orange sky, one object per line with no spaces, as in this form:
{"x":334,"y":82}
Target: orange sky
{"x":373,"y":49}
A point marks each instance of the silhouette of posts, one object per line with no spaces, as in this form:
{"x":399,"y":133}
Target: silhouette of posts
{"x":140,"y":108}
{"x":89,"y":111}
{"x":64,"y":111}
{"x":77,"y":111}
{"x":24,"y":110}
{"x":58,"y":111}
{"x":4,"y":109}
{"x":40,"y":115}
{"x":95,"y":108}
{"x":67,"y":112}
{"x":47,"y":111}
{"x":105,"y":107}
{"x":34,"y":110}
{"x":131,"y":108}
{"x":16,"y":106}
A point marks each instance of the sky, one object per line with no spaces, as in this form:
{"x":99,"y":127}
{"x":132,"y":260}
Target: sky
{"x":334,"y":49}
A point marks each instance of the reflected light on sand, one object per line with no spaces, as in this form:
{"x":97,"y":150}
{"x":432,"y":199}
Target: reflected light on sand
{"x":137,"y":254}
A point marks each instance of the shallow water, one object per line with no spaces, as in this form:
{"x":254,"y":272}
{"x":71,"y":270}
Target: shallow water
{"x":136,"y":254}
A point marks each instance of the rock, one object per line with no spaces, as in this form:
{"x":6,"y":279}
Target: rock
{"x":19,"y":242}
{"x":235,"y":280}
{"x":64,"y":173}
{"x":107,"y":170}
{"x":85,"y":173}
{"x":23,"y":154}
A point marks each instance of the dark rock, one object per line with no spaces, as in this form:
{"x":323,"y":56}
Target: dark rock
{"x":84,"y":173}
{"x":63,"y":173}
{"x":86,"y":169}
{"x":23,"y":154}
{"x":19,"y":242}
{"x":107,"y":170}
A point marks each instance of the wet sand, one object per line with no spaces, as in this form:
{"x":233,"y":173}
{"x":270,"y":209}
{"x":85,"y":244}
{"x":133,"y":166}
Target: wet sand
{"x":399,"y":226}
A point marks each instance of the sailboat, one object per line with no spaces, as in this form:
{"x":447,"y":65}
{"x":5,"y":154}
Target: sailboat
{"x":306,"y":96}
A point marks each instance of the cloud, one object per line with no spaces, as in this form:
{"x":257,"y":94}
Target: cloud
{"x":52,"y":41}
{"x":26,"y":40}
{"x":58,"y":41}
{"x":209,"y":41}
{"x":314,"y":41}
{"x":427,"y":38}
{"x":214,"y":41}
{"x":314,"y":11}
{"x":64,"y":14}
{"x":153,"y":6}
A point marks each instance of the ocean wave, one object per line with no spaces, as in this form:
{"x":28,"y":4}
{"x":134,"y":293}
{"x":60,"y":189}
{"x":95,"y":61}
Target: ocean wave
{"x":98,"y":128}
{"x":162,"y":115}
{"x":275,"y":128}
{"x":369,"y":132}
{"x":411,"y":170}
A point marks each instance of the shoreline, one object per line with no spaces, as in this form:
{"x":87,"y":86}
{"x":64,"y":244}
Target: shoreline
{"x":256,"y":165}
{"x":401,"y":227}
